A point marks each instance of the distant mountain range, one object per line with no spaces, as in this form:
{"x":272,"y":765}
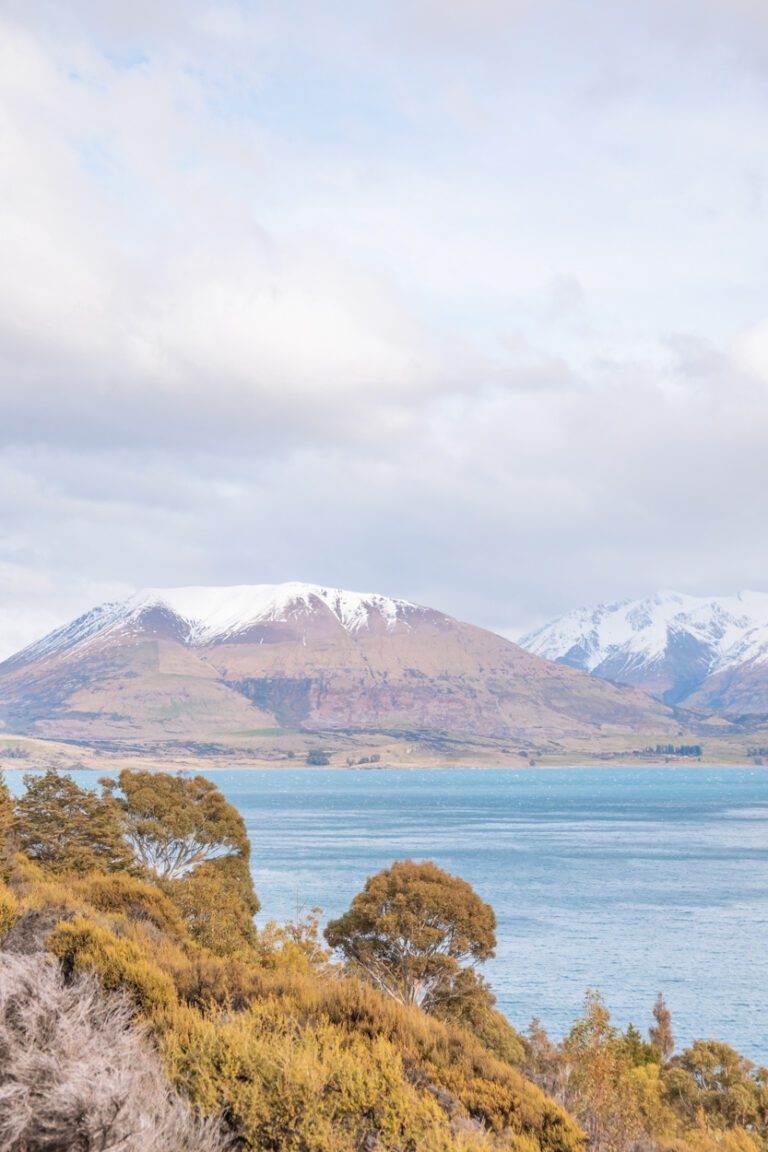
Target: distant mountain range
{"x":708,"y":653}
{"x":218,"y":663}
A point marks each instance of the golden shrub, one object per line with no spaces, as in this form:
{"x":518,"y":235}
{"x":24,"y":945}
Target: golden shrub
{"x":120,"y":893}
{"x":9,"y":909}
{"x":120,"y":963}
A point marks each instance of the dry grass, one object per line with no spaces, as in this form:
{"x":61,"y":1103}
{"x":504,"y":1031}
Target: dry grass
{"x":77,"y":1074}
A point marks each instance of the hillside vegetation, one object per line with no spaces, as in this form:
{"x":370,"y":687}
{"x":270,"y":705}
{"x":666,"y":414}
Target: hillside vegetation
{"x":141,"y":1009}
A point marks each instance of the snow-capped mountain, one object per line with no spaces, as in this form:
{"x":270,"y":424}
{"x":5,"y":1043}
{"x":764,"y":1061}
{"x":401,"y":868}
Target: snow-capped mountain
{"x":708,"y":651}
{"x":212,"y":663}
{"x":204,"y":615}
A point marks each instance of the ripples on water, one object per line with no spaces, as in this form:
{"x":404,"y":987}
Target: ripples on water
{"x":629,"y":880}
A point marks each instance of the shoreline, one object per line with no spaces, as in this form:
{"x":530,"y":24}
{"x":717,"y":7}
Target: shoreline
{"x":202,"y":765}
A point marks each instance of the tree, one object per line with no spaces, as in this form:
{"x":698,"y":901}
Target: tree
{"x":712,"y":1079}
{"x":6,"y":813}
{"x":545,"y":1063}
{"x":218,"y":903}
{"x":66,"y":828}
{"x":410,"y":930}
{"x":660,"y":1033}
{"x":638,"y":1052}
{"x":175,"y":823}
{"x":600,"y":1092}
{"x":317,"y":758}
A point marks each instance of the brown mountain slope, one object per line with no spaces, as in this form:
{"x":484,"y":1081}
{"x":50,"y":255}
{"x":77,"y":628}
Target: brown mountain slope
{"x":740,"y":691}
{"x":209,"y":663}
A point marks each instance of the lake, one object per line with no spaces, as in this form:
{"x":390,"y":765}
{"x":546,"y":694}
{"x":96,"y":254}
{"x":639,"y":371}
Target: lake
{"x":630,"y":880}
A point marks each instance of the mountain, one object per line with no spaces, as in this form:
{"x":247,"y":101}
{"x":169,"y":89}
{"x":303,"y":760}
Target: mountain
{"x":218,"y":663}
{"x":708,"y":652}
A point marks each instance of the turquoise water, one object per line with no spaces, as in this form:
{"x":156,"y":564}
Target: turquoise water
{"x":629,"y":880}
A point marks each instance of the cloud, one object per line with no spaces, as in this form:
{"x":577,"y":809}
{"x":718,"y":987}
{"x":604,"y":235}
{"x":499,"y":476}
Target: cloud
{"x":463,"y":302}
{"x":140,"y":301}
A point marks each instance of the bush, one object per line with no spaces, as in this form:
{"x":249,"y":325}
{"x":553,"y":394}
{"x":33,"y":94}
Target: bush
{"x":315,"y":1054}
{"x":120,"y":964}
{"x":9,"y":910}
{"x":76,"y":1073}
{"x":124,"y":895}
{"x":217,"y":904}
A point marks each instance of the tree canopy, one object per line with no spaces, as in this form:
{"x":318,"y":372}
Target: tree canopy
{"x":67,"y":828}
{"x":410,"y":930}
{"x":175,"y":823}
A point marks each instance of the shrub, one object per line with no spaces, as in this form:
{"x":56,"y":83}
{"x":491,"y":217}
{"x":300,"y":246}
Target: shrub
{"x":9,"y":910}
{"x":317,"y":758}
{"x":217,"y":904}
{"x":125,"y":895}
{"x":266,"y":1065}
{"x":77,"y":1074}
{"x":119,"y":963}
{"x":314,"y":1089}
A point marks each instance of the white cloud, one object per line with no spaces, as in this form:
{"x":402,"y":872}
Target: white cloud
{"x":461,"y":301}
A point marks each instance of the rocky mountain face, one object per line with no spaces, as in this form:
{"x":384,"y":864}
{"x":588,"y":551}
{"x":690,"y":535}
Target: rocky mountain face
{"x":707,"y":653}
{"x":212,"y":663}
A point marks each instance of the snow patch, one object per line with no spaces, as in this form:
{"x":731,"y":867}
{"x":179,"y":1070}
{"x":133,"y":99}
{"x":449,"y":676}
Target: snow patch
{"x":215,"y":613}
{"x":734,"y":629}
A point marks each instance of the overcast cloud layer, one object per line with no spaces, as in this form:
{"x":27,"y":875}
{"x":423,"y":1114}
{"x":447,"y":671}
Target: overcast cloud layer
{"x":465,"y":301}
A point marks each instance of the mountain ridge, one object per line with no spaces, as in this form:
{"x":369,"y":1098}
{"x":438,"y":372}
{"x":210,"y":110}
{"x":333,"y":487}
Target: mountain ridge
{"x":207,"y":663}
{"x":214,"y":612}
{"x":704,"y":652}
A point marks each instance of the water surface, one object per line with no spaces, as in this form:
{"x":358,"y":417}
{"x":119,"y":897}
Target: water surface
{"x":629,"y":880}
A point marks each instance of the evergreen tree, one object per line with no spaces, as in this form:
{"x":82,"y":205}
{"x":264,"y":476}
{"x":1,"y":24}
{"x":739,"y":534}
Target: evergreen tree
{"x":660,"y":1033}
{"x":410,"y":930}
{"x":639,"y":1053}
{"x":68,"y":829}
{"x":175,"y":823}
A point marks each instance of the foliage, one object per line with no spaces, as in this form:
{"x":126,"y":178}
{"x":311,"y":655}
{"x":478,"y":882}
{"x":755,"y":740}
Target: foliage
{"x":409,"y":930}
{"x":292,"y":1051}
{"x":660,"y":1032}
{"x":707,"y":1099}
{"x":324,"y":1065}
{"x":124,"y":895}
{"x":174,"y":823}
{"x":638,"y":1053}
{"x":297,"y":944}
{"x":317,"y":758}
{"x":76,"y":1073}
{"x":470,"y":1003}
{"x":294,"y":1055}
{"x":6,"y":813}
{"x":121,"y":964}
{"x":217,"y":904}
{"x":9,"y":909}
{"x":66,"y":828}
{"x":710,"y":1079}
{"x":600,"y":1091}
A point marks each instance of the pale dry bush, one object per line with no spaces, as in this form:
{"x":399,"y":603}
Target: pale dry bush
{"x":76,"y":1073}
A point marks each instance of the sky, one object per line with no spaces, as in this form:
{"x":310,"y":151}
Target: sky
{"x":464,"y":301}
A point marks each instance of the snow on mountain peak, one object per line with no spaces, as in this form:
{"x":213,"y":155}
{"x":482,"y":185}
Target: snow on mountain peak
{"x":729,"y":630}
{"x":212,"y":613}
{"x":215,"y":612}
